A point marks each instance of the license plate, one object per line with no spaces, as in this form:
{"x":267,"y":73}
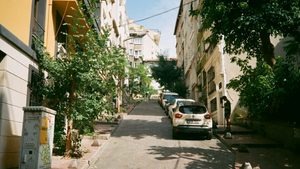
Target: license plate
{"x":193,"y":121}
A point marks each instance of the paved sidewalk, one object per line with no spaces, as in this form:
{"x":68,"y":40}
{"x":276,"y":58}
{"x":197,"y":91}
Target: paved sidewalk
{"x":103,"y":132}
{"x":90,"y":152}
{"x":261,"y":152}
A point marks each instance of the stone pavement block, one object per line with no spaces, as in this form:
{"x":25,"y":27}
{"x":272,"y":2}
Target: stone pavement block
{"x":103,"y":132}
{"x":259,"y":151}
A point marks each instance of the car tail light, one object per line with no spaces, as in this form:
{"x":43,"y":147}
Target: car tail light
{"x":178,"y":115}
{"x":207,"y":116}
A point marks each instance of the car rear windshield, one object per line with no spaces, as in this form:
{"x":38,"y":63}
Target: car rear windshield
{"x":183,"y":102}
{"x":192,"y":109}
{"x":170,"y":97}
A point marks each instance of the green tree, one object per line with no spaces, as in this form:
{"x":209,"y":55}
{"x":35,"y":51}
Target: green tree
{"x":292,"y":44}
{"x":269,"y":93}
{"x":256,"y":87}
{"x":81,"y":84}
{"x":139,"y":81}
{"x":169,"y":75}
{"x":247,"y":25}
{"x":286,"y":94}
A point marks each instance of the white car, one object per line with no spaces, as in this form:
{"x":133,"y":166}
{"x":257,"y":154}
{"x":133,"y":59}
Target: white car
{"x":192,"y":118}
{"x":176,"y":103}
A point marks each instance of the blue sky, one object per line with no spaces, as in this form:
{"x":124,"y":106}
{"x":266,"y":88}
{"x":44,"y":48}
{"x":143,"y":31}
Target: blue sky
{"x":165,"y":23}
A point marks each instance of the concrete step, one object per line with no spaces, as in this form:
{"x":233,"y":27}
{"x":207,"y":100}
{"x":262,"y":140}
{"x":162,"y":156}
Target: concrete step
{"x":234,"y":130}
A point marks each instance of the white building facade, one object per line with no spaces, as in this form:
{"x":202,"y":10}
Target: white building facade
{"x":143,"y":47}
{"x":207,"y":68}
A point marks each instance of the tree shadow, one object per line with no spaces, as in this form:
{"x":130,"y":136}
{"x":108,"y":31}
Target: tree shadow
{"x":211,"y":158}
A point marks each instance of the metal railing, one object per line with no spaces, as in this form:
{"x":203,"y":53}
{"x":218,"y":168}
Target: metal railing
{"x":37,"y":35}
{"x":38,"y":30}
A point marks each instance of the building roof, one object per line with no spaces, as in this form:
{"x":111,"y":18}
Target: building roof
{"x":178,"y":16}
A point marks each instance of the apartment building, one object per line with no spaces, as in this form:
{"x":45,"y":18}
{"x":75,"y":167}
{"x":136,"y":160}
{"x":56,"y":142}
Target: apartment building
{"x":113,"y":17}
{"x":207,"y":68}
{"x":143,"y":47}
{"x":18,"y":26}
{"x":48,"y":22}
{"x":186,"y":31}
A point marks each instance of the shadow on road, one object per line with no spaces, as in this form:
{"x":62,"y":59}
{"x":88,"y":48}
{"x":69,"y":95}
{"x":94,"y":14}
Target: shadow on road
{"x":199,"y":158}
{"x":148,"y":119}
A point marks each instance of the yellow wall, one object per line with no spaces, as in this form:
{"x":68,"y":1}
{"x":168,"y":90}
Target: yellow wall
{"x":50,"y":27}
{"x":16,"y":17}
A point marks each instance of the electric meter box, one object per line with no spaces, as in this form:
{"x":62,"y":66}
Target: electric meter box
{"x":37,"y":138}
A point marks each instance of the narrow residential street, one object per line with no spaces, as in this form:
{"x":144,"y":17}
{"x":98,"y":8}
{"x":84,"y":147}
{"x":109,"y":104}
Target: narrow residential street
{"x":144,"y":140}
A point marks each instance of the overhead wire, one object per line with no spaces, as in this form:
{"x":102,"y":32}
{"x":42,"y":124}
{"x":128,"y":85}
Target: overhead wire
{"x":158,"y":14}
{"x":140,"y":20}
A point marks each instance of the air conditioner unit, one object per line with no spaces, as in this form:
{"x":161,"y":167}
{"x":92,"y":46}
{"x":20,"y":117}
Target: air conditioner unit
{"x":61,"y":51}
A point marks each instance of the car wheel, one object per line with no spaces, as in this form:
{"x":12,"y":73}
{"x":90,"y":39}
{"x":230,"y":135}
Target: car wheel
{"x":209,"y":136}
{"x":174,"y":134}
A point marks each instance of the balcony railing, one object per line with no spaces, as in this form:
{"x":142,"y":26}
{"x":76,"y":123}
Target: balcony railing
{"x":38,"y":30}
{"x":37,"y":34}
{"x":61,"y":51}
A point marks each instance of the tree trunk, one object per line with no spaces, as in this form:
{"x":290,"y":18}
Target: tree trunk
{"x":267,"y":49}
{"x":69,"y":136}
{"x":119,"y":95}
{"x":69,"y":118}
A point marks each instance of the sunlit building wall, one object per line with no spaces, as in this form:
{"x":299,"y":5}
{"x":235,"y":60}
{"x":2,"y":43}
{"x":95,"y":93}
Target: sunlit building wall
{"x":207,"y":68}
{"x":17,"y":61}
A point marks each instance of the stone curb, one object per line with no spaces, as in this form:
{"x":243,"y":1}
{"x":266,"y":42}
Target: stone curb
{"x":95,"y":156}
{"x":218,"y":136}
{"x":93,"y":159}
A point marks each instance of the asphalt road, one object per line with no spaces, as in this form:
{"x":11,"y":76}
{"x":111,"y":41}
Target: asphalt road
{"x":143,"y":140}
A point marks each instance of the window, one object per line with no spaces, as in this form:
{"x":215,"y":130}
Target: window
{"x":211,"y":87}
{"x":192,"y":109}
{"x":130,"y":51}
{"x":204,"y":78}
{"x":35,"y":85}
{"x":138,"y":53}
{"x":2,"y":55}
{"x":210,"y":78}
{"x":213,"y":105}
{"x":211,"y":74}
{"x":137,"y":41}
{"x":39,"y":19}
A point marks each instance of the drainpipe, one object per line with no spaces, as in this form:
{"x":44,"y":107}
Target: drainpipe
{"x":223,"y":92}
{"x":47,"y":22}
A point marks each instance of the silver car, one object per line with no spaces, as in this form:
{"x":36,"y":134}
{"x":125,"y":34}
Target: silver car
{"x":166,"y":98}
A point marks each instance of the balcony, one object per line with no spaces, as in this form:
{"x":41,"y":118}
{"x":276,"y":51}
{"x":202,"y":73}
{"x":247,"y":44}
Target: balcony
{"x":70,"y":10}
{"x":61,"y":51}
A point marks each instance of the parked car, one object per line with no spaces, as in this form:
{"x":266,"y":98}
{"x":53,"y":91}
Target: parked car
{"x":160,"y":100}
{"x":192,"y":118}
{"x":166,"y":98}
{"x":176,"y":103}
